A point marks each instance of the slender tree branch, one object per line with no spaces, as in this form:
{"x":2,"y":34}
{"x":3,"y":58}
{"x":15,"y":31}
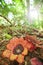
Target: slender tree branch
{"x":5,"y":19}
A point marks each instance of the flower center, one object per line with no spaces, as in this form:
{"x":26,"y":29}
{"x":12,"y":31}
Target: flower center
{"x":18,"y":49}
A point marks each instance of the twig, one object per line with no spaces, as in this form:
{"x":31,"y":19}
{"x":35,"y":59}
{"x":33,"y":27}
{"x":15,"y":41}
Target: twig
{"x":2,"y":41}
{"x":5,"y":19}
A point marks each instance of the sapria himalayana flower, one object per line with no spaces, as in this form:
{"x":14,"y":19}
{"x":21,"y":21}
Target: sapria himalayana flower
{"x":17,"y":48}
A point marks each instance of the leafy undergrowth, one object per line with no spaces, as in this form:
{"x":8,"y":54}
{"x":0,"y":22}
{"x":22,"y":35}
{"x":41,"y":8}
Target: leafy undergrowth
{"x":6,"y":33}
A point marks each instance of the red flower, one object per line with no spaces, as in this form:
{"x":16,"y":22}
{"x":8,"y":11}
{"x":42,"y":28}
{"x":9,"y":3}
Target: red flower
{"x":35,"y":61}
{"x":17,"y":48}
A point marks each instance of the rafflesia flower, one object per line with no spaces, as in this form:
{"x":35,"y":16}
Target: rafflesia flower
{"x":35,"y":61}
{"x":17,"y":48}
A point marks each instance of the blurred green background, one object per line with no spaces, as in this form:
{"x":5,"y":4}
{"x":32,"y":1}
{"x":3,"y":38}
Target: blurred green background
{"x":22,"y":12}
{"x":17,"y":16}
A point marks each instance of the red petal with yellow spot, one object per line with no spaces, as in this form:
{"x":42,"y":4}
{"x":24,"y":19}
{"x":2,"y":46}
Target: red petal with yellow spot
{"x":13,"y":57}
{"x":6,"y":53}
{"x":25,"y":52}
{"x":20,"y":58}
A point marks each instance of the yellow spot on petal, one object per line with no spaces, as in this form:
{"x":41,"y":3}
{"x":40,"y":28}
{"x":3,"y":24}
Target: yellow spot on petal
{"x":6,"y":53}
{"x":13,"y":57}
{"x":25,"y":52}
{"x":20,"y":58}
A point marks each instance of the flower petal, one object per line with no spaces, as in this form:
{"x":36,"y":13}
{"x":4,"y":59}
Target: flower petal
{"x":25,"y":52}
{"x":13,"y":57}
{"x":25,"y":43}
{"x":22,"y":42}
{"x":13,"y":42}
{"x":20,"y":58}
{"x":6,"y":53}
{"x":10,"y":46}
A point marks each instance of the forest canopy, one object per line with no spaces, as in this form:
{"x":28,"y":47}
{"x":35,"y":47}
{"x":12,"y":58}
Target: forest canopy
{"x":20,"y":11}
